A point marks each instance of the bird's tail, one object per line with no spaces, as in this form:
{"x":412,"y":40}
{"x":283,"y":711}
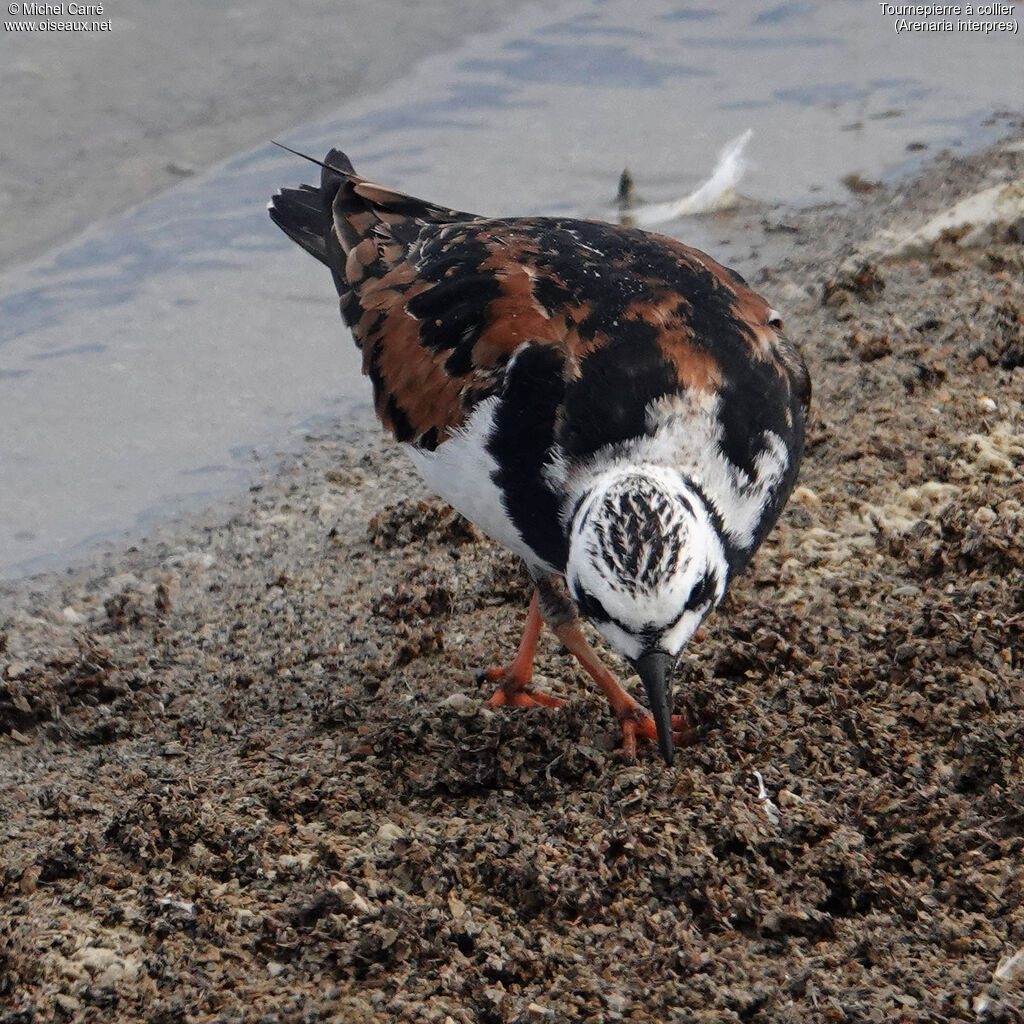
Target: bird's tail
{"x":331,"y":220}
{"x":304,"y":214}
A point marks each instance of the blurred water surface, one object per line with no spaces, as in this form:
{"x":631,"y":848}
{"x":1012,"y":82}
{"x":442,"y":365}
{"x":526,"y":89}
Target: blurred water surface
{"x":143,"y":366}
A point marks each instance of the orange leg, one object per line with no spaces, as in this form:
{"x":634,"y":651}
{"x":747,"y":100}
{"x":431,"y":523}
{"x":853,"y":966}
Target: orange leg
{"x":634,"y":720}
{"x":515,"y":681}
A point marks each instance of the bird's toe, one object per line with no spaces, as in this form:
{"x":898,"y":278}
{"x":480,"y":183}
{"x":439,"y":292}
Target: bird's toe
{"x":514,"y":691}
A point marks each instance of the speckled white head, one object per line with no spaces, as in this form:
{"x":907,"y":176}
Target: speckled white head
{"x":646,"y":563}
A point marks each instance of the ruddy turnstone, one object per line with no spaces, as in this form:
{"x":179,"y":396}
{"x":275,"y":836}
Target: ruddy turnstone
{"x":613,"y":406}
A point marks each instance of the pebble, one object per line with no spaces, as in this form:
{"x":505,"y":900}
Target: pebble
{"x":803,"y":495}
{"x":389,"y":832}
{"x":299,"y":863}
{"x":96,"y":958}
{"x":461,"y":703}
{"x":350,"y":898}
{"x":107,"y":965}
{"x":68,"y":1004}
{"x":121,"y":582}
{"x":187,"y":559}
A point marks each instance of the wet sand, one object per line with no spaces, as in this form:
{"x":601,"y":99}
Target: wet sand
{"x":248,"y":776}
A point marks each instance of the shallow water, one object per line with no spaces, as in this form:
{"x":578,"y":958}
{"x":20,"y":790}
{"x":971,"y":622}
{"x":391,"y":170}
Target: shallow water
{"x":143,"y":366}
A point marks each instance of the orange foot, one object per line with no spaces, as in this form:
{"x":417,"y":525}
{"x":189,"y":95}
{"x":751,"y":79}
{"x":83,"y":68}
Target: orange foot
{"x":637,"y":723}
{"x":515,"y":682}
{"x":514,"y":694}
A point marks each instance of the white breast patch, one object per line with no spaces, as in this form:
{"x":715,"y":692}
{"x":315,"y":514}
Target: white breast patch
{"x":461,"y":470}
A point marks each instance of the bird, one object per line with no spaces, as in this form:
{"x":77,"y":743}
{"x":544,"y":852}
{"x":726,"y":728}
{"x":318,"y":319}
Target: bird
{"x":613,"y":406}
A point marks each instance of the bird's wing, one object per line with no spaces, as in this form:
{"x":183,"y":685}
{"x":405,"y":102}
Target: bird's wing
{"x":440,"y":301}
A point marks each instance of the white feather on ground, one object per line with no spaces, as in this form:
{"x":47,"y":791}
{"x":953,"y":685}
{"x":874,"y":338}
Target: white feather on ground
{"x":717,"y":193}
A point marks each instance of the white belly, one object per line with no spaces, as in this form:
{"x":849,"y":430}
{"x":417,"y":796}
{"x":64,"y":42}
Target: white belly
{"x":461,"y":470}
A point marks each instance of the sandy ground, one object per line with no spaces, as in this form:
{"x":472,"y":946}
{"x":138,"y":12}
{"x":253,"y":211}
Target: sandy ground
{"x":248,"y":777}
{"x":186,"y":85}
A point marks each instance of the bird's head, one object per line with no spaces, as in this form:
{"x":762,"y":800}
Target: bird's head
{"x":646,"y":565}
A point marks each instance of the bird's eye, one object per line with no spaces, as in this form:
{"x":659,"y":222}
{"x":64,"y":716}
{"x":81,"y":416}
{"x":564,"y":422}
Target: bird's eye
{"x":591,"y":607}
{"x":702,"y":593}
{"x":775,"y":319}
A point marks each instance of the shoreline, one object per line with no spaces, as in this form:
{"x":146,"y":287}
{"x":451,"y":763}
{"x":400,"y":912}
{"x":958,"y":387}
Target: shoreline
{"x":249,"y":771}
